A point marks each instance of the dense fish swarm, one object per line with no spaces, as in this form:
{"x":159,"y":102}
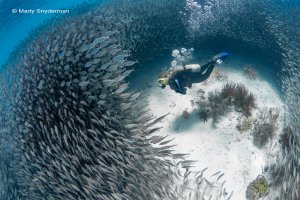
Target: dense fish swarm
{"x":150,"y":28}
{"x":271,"y":28}
{"x":83,"y":136}
{"x":8,"y":161}
{"x":285,"y":26}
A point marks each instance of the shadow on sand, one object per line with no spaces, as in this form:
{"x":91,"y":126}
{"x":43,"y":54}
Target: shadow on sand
{"x":180,"y":124}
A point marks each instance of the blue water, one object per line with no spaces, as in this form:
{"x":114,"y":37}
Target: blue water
{"x":15,"y":27}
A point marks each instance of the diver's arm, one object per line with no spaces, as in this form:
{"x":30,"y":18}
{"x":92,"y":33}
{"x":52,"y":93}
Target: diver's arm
{"x":178,"y":86}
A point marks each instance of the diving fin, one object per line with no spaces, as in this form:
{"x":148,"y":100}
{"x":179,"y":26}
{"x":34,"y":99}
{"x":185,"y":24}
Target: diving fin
{"x":219,"y":58}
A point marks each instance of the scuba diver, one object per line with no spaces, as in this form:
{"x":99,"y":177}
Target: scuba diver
{"x":182,"y":76}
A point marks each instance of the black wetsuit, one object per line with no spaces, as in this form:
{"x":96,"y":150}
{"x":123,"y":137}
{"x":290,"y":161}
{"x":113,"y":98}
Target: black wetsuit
{"x":185,"y":78}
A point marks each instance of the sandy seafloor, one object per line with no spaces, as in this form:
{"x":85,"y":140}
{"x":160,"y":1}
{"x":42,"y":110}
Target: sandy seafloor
{"x":220,"y":147}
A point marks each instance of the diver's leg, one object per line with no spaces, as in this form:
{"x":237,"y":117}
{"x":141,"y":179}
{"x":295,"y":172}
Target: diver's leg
{"x":206,"y":70}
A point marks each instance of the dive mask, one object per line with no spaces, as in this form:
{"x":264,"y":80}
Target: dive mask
{"x":162,"y":82}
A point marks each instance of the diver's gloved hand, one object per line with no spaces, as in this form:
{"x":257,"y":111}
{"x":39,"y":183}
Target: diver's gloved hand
{"x":219,"y":58}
